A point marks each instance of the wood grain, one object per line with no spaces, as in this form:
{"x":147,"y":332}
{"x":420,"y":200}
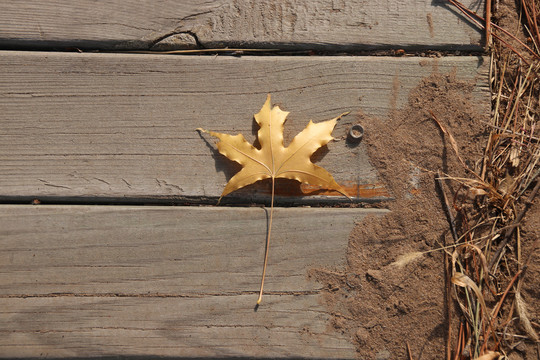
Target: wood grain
{"x":168,"y":281}
{"x":285,"y":326}
{"x":289,"y":24}
{"x":123,"y":126}
{"x":185,"y":251}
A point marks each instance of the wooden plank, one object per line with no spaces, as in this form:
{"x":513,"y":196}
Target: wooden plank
{"x":123,"y":126}
{"x":285,"y":326}
{"x":187,"y":251}
{"x":291,"y":24}
{"x":168,"y":281}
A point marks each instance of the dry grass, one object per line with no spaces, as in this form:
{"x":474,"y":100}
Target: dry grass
{"x":486,"y":264}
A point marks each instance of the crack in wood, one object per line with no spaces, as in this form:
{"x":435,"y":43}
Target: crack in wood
{"x":46,"y":183}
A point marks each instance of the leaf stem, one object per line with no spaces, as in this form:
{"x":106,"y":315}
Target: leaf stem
{"x":267,"y":241}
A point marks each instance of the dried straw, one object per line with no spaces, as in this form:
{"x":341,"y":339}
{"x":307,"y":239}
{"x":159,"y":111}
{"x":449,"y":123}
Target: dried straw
{"x":487,"y":237}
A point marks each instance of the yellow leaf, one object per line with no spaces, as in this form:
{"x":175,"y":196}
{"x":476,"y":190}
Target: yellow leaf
{"x":273,"y":160}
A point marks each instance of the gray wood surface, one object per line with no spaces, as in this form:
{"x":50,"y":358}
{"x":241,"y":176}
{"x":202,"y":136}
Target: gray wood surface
{"x":286,"y":326}
{"x":123,"y":126}
{"x":136,"y":250}
{"x":169,"y":24}
{"x":175,"y":281}
{"x":91,"y":281}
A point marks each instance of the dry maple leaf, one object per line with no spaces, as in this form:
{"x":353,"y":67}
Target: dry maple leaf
{"x":273,"y":160}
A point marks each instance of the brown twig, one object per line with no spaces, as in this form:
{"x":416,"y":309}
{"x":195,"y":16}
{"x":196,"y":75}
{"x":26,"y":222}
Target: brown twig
{"x":498,"y":307}
{"x":458,"y":345}
{"x":455,"y":148}
{"x":531,"y":20}
{"x":535,"y":24}
{"x":409,"y":351}
{"x":480,"y":20}
{"x":448,"y":292}
{"x":510,"y":230}
{"x":446,"y":206}
{"x":488,"y":23}
{"x":509,"y":168}
{"x":477,"y":19}
{"x":447,"y":276}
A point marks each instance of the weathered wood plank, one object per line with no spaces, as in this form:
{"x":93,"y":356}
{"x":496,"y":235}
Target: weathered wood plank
{"x":185,"y":251}
{"x":168,"y":281}
{"x":285,"y":326}
{"x":109,"y":125}
{"x":313,"y":24}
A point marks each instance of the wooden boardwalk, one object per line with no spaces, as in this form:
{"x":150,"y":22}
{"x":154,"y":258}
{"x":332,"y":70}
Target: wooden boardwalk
{"x":105,"y":139}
